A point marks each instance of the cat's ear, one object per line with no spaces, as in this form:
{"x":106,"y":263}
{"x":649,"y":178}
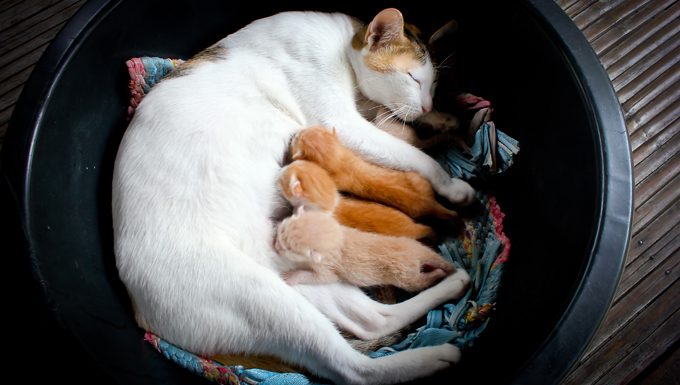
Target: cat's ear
{"x":295,"y":186}
{"x":387,"y":26}
{"x":314,"y":256}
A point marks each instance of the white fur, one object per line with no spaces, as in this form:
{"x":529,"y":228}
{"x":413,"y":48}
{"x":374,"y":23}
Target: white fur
{"x":194,"y":188}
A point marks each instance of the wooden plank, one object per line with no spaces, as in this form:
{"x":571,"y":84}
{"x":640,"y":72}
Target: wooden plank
{"x":40,"y":17}
{"x":664,"y":371}
{"x":602,"y":10}
{"x":655,"y":182}
{"x":10,"y":98}
{"x":22,"y":11}
{"x":59,"y":19}
{"x":6,"y":114}
{"x":644,"y":237}
{"x":643,"y":146}
{"x":622,"y":28}
{"x":564,"y":4}
{"x":24,"y":62}
{"x":644,"y":354}
{"x":611,"y":16}
{"x":656,"y":160}
{"x":640,"y":268}
{"x":642,"y":41}
{"x":611,"y":346}
{"x":7,"y":4}
{"x":18,"y":54}
{"x":652,"y":66}
{"x":578,"y":7}
{"x":17,"y":80}
{"x":654,"y":113}
{"x":662,"y":91}
{"x":661,"y":200}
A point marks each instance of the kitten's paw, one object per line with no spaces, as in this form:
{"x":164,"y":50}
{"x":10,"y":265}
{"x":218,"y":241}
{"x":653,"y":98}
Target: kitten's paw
{"x":439,"y":121}
{"x":291,"y":278}
{"x":458,"y":191}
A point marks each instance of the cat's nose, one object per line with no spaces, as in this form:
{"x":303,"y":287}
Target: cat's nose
{"x":426,"y":109}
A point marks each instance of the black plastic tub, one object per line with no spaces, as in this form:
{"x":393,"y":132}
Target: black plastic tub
{"x":568,"y":198}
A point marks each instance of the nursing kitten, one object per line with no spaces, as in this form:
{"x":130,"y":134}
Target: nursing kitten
{"x":194,"y":190}
{"x":406,"y":191}
{"x":306,"y":184}
{"x":315,"y":248}
{"x":440,"y":127}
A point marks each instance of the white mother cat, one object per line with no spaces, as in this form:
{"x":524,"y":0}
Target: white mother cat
{"x":194,"y":188}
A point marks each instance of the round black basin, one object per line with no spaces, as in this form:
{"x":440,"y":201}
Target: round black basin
{"x":567,"y":199}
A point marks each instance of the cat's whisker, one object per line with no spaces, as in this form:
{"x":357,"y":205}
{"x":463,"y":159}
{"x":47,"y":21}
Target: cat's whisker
{"x":441,"y":64}
{"x":387,"y":116}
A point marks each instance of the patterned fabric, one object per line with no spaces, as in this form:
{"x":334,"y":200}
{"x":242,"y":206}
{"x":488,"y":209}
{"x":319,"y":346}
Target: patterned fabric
{"x":487,"y":151}
{"x":482,"y":249}
{"x":145,"y":72}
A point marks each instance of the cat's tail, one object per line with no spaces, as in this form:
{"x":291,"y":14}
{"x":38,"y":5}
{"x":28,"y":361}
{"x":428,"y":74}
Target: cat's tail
{"x":366,"y":346}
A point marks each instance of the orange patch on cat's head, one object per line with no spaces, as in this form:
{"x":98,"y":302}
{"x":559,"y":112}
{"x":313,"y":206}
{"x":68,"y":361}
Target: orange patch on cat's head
{"x":305,"y":183}
{"x":390,"y":44}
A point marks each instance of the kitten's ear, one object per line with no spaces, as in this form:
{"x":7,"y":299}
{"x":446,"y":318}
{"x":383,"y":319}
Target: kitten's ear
{"x":387,"y":26}
{"x":442,"y":40}
{"x":295,"y":186}
{"x":446,"y":30}
{"x":314,"y":256}
{"x":299,"y":211}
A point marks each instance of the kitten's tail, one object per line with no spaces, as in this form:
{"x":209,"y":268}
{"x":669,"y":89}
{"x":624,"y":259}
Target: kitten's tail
{"x":366,"y":346}
{"x":442,"y":212}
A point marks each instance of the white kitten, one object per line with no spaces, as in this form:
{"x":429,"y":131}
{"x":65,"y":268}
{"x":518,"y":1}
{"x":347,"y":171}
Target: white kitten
{"x":194,"y":188}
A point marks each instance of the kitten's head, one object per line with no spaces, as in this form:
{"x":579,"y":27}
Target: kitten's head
{"x":307,"y":237}
{"x":304,"y":183}
{"x":395,"y":68}
{"x":317,"y":144}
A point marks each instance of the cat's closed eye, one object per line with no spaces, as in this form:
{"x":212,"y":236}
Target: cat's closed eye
{"x":414,"y":78}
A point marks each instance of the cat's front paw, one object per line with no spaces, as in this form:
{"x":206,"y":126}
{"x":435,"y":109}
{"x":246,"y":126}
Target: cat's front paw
{"x":458,"y":191}
{"x":458,"y":282}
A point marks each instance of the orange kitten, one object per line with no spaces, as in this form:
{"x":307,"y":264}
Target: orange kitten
{"x":304,"y":183}
{"x":314,"y":248}
{"x":406,"y":191}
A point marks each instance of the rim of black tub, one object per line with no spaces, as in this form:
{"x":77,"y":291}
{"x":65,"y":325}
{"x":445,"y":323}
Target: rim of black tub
{"x":595,"y":291}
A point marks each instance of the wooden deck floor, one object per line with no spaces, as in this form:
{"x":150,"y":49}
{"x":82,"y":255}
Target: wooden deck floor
{"x":638,"y":42}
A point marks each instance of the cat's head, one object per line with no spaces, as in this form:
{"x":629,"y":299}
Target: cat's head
{"x":394,"y":67}
{"x":307,"y":237}
{"x":304,"y":183}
